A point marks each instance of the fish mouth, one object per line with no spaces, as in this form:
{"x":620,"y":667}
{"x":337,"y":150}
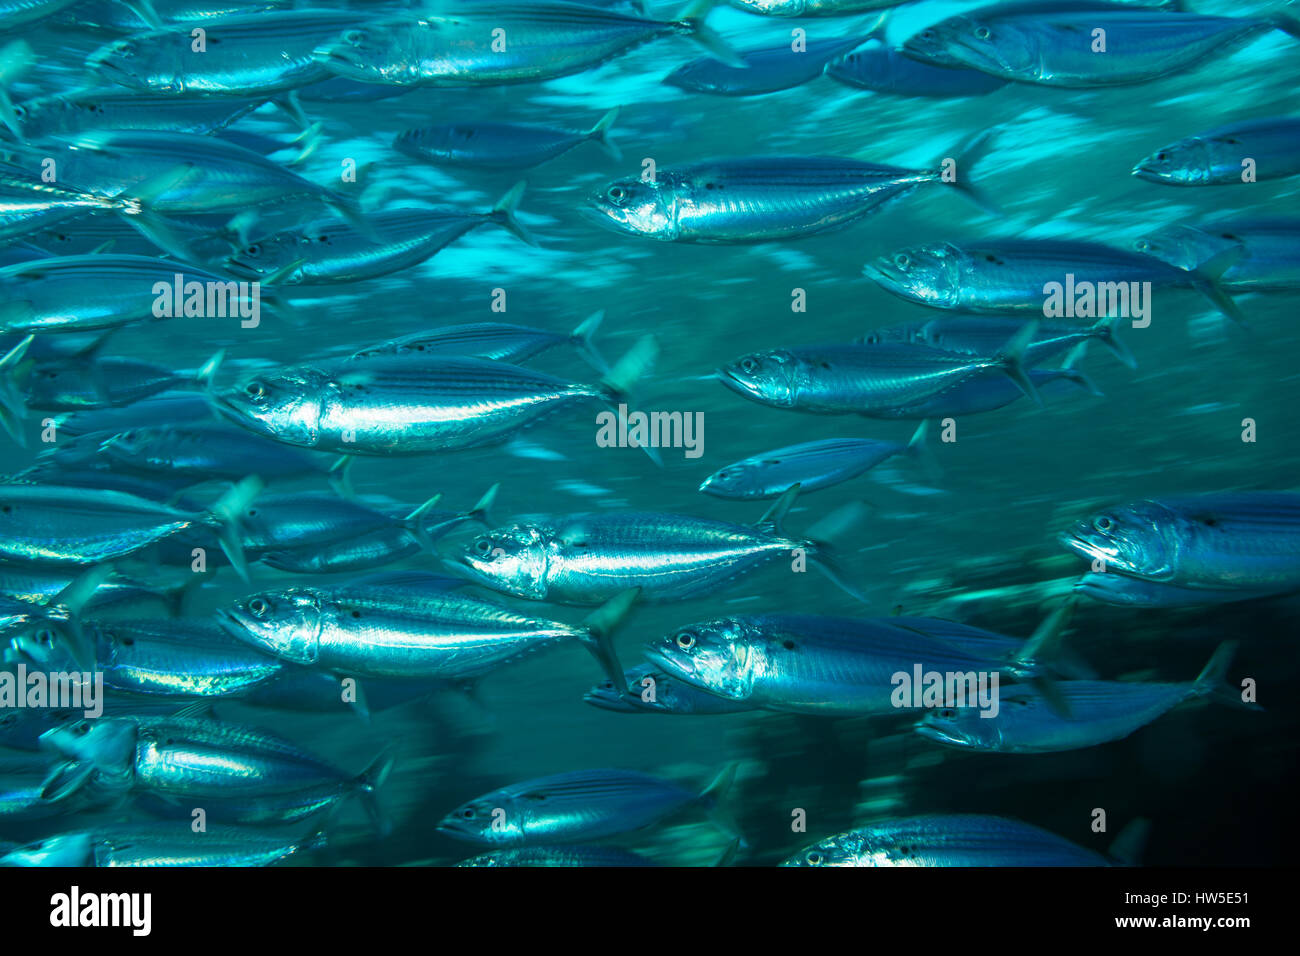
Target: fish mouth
{"x":734,"y":382}
{"x":1077,"y":543}
{"x":232,"y":622}
{"x":1144,"y":170}
{"x":938,"y":734}
{"x":339,"y":58}
{"x":241,"y":269}
{"x":684,"y":669}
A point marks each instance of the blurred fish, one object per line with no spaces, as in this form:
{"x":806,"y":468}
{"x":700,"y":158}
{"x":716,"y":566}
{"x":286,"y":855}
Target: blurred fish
{"x":761,"y":198}
{"x":329,"y":251}
{"x":985,"y":334}
{"x":588,"y":558}
{"x":582,"y":805}
{"x":883,"y":69}
{"x":208,"y":451}
{"x":647,"y":690}
{"x":947,"y":840}
{"x":252,"y":55}
{"x":1271,"y":251}
{"x":494,"y":341}
{"x":215,"y":765}
{"x":547,"y":40}
{"x":1055,"y":44}
{"x":28,"y":203}
{"x":1094,"y":712}
{"x":97,"y":109}
{"x":502,"y":145}
{"x":766,"y":70}
{"x":1015,"y":276}
{"x":811,"y":465}
{"x":1239,"y":541}
{"x":879,"y":380}
{"x":412,"y":404}
{"x":811,"y":8}
{"x":162,"y":844}
{"x":108,"y":382}
{"x":560,"y":856}
{"x":1221,"y":156}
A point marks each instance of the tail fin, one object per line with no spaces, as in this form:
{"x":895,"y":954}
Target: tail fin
{"x":824,"y":552}
{"x":714,"y":798}
{"x":617,"y":384}
{"x":966,"y":160}
{"x":13,"y":408}
{"x":225,"y":515}
{"x":368,"y":784}
{"x":600,"y":133}
{"x":1208,"y":276}
{"x":773,"y":519}
{"x":599,"y":627}
{"x":415,"y":524}
{"x":691,"y":23}
{"x":208,"y":371}
{"x":1028,"y":660}
{"x":340,"y":476}
{"x":503,"y":214}
{"x":918,"y":449}
{"x":582,"y":341}
{"x":1104,"y":332}
{"x":1287,"y":23}
{"x":1070,"y":372}
{"x":1130,"y":843}
{"x":1011,"y":360}
{"x":482,"y":510}
{"x":1213,"y":679}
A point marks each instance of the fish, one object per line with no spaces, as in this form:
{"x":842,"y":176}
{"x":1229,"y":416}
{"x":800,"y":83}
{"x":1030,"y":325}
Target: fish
{"x":165,"y":408}
{"x":834,"y":666}
{"x":811,"y":465}
{"x":40,"y":585}
{"x":63,"y":294}
{"x":254,"y":54}
{"x":495,"y":341}
{"x":81,"y":111}
{"x":208,"y":451}
{"x":549,"y":856}
{"x":236,"y":773}
{"x":1271,"y":247}
{"x":766,"y":70}
{"x":1055,"y":44}
{"x":175,"y":658}
{"x":1014,"y":276}
{"x":958,"y":839}
{"x":985,"y":334}
{"x":28,"y":203}
{"x":1246,"y":542}
{"x":162,"y":844}
{"x":414,"y":404}
{"x":1261,"y":149}
{"x":108,"y":382}
{"x":333,"y":251}
{"x":125,"y":18}
{"x":811,"y":8}
{"x":502,"y":145}
{"x":763,"y":198}
{"x":546,"y":40}
{"x":646,"y":690}
{"x":46,"y":525}
{"x":579,"y":806}
{"x":1095,"y":712}
{"x":878,"y":380}
{"x":1122,"y":590}
{"x":408,"y":629}
{"x":22,"y":782}
{"x":588,"y":558}
{"x":883,"y":69}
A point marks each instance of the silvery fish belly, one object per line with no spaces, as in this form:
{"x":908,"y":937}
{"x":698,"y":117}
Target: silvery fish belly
{"x":1248,"y":542}
{"x":400,"y":404}
{"x":588,"y":558}
{"x":754,"y":199}
{"x":390,"y":631}
{"x":948,"y":840}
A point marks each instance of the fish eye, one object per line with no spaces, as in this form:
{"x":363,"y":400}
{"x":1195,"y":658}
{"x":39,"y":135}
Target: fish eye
{"x":45,"y":636}
{"x":467,"y":813}
{"x":929,"y":35}
{"x":354,"y":37}
{"x":258,"y":607}
{"x":948,"y":713}
{"x":8,"y":720}
{"x":20,"y":112}
{"x":1162,"y":156}
{"x":1103,"y":523}
{"x":254,"y":250}
{"x":814,"y":858}
{"x":982,"y":32}
{"x":483,"y":546}
{"x":616,"y":194}
{"x":749,"y":365}
{"x":81,"y":728}
{"x":255,"y":390}
{"x":685,"y":640}
{"x":902,"y":260}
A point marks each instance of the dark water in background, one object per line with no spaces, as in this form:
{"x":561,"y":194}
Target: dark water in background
{"x":1218,"y":785}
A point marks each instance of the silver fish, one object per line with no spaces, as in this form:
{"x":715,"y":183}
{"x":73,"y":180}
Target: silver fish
{"x":162,"y":844}
{"x":1219,"y":157}
{"x":1271,"y":247}
{"x":502,"y":145}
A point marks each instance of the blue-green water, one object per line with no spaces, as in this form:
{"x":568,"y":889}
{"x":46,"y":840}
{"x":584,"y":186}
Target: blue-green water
{"x":1217,"y":784}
